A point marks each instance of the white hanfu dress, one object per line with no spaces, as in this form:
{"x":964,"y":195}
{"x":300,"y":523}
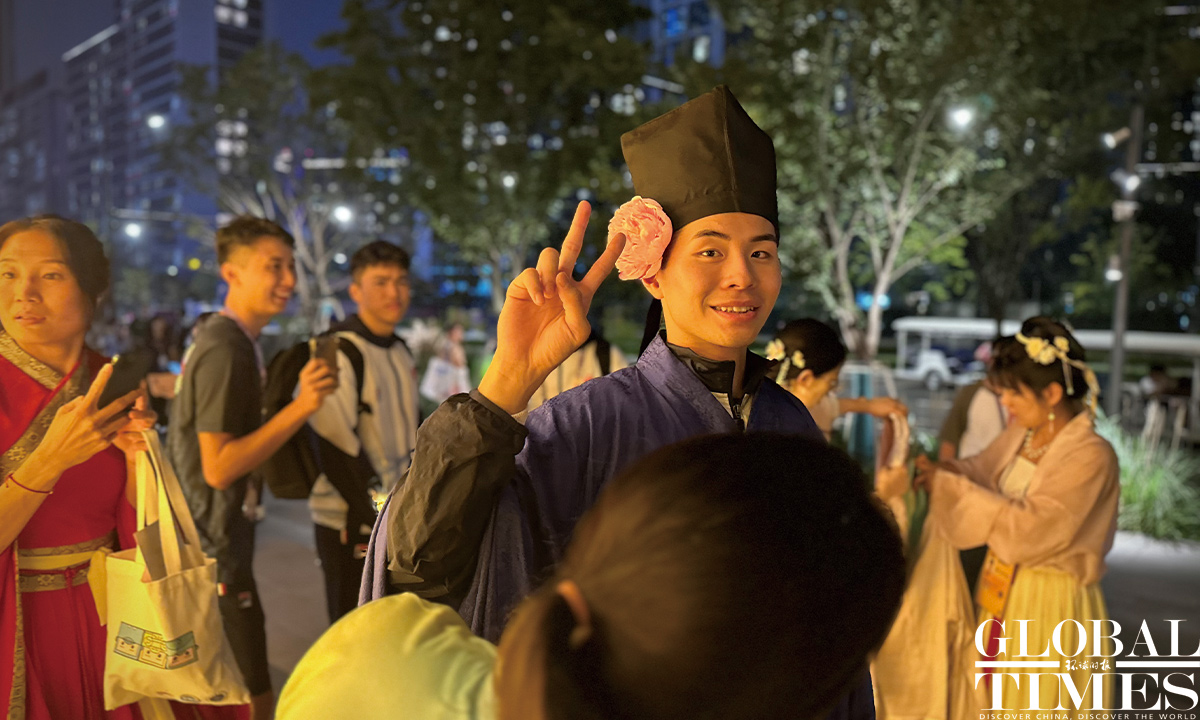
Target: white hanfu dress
{"x":1055,"y":522}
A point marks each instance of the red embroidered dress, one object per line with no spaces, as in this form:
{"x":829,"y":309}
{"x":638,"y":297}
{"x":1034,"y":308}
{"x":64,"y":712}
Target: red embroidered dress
{"x":51,"y":642}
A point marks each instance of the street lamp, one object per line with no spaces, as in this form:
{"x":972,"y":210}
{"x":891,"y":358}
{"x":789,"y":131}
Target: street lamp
{"x":1124,"y":211}
{"x":1113,"y":139}
{"x":343,"y":214}
{"x":133,"y":230}
{"x":156,"y":122}
{"x":1113,"y":273}
{"x":962,"y":117}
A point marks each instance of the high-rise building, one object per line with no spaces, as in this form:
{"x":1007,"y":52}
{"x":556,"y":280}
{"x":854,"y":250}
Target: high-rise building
{"x":123,"y":87}
{"x":31,"y":119}
{"x":690,"y":26}
{"x":96,"y":137}
{"x":8,"y":45}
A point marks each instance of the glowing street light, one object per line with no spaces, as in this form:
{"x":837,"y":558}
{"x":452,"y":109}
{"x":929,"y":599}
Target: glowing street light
{"x":962,"y":117}
{"x":1131,"y":183}
{"x":343,"y":214}
{"x":1113,"y":272}
{"x":133,"y":230}
{"x":1113,"y":139}
{"x":156,"y":122}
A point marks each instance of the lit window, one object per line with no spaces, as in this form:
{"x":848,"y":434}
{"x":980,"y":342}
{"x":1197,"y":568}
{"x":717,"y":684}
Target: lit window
{"x":673,"y":23}
{"x":224,"y":14}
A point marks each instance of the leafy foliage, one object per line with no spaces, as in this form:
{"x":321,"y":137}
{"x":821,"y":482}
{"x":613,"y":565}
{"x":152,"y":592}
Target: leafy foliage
{"x":505,"y":110}
{"x":899,"y":125}
{"x":1159,"y":492}
{"x":246,"y":142}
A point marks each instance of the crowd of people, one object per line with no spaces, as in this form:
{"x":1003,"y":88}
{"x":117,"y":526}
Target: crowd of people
{"x":577,"y":536}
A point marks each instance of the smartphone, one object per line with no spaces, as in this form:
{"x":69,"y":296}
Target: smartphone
{"x":129,"y":370}
{"x":325,"y":347}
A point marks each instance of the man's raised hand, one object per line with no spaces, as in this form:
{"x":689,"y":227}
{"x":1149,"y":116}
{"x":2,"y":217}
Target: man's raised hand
{"x":544,"y":319}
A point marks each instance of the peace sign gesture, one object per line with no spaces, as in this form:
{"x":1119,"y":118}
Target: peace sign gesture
{"x":80,"y":429}
{"x":544,"y":318}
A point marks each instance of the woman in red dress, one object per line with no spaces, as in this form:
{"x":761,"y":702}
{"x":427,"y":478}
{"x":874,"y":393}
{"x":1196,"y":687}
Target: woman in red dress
{"x":65,"y":474}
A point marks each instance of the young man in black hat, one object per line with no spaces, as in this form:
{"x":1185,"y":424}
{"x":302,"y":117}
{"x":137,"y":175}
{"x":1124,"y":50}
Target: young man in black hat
{"x":489,"y":504}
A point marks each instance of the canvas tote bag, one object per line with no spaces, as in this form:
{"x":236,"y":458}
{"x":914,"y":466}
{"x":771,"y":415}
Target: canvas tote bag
{"x":924,"y":670}
{"x":166,"y":640}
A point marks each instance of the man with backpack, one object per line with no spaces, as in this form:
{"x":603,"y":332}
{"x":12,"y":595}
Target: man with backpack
{"x":366,"y":430}
{"x":217,"y":436}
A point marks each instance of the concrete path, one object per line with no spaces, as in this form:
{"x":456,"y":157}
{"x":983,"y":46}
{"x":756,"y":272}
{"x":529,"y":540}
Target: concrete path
{"x":1147,"y":580}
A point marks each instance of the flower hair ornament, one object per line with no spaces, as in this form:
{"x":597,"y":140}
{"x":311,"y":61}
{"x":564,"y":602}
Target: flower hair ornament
{"x":647,"y":231}
{"x":777,"y":351}
{"x":1044,"y":351}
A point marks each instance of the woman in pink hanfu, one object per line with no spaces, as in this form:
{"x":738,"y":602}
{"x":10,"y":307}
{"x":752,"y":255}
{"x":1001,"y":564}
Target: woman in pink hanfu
{"x":1043,"y":498}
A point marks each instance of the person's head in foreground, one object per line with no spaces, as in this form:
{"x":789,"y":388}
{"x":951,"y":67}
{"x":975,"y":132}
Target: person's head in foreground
{"x":1041,"y":375}
{"x":810,"y":355}
{"x":739,"y":576}
{"x":702,"y":233}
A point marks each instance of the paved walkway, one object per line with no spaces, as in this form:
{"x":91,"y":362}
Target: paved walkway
{"x":290,"y":584}
{"x":1147,"y":580}
{"x":1153,"y":581}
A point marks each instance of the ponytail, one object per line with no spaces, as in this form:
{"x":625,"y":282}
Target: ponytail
{"x":539,"y":676}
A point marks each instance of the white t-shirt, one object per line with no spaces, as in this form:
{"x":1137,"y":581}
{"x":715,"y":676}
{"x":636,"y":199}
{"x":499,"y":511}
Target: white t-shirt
{"x":986,"y":419}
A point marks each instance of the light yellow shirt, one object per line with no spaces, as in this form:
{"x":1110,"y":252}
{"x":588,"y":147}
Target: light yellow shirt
{"x":399,"y":656}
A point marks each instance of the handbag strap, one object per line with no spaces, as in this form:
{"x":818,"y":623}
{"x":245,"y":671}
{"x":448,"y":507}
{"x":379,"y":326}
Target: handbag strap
{"x":160,"y":493}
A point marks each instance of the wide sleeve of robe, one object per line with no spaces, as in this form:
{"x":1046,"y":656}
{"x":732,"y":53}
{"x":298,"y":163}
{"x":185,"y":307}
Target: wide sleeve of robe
{"x":1066,"y":518}
{"x":488,"y":505}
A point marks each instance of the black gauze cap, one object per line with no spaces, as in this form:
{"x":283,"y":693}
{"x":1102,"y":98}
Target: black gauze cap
{"x":703,"y":158}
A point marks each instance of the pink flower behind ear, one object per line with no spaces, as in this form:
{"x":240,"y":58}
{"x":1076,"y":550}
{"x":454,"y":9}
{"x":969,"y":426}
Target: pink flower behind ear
{"x":647,"y":231}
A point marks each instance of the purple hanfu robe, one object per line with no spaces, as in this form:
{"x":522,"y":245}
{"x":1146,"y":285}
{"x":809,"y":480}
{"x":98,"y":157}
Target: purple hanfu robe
{"x":488,"y":506}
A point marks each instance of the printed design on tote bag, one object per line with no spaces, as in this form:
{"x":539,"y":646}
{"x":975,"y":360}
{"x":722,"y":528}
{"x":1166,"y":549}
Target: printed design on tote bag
{"x":149,"y":648}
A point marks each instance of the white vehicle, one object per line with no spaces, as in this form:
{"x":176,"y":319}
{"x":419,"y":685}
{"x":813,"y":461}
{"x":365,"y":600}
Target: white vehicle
{"x":933,"y":368}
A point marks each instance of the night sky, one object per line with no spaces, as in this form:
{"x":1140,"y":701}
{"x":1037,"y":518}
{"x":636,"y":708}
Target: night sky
{"x":45,"y":29}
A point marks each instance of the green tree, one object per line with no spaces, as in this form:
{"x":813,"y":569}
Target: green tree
{"x":506,"y":111}
{"x":998,"y":248}
{"x":900,"y":125}
{"x":255,"y":141}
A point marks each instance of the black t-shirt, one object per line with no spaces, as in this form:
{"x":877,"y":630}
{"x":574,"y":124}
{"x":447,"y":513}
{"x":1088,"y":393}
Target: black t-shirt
{"x":220,"y":392}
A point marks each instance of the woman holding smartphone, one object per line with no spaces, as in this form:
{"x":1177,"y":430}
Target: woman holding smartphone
{"x":67,"y":468}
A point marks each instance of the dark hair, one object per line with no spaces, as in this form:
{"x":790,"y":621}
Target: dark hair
{"x":759,"y":559}
{"x":244,"y":231}
{"x":820,"y":344}
{"x":379,"y":252}
{"x":1012,"y":366}
{"x":84,"y":252}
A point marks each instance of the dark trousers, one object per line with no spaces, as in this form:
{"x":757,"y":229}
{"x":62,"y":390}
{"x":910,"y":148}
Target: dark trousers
{"x":245,"y":628}
{"x":343,"y":570}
